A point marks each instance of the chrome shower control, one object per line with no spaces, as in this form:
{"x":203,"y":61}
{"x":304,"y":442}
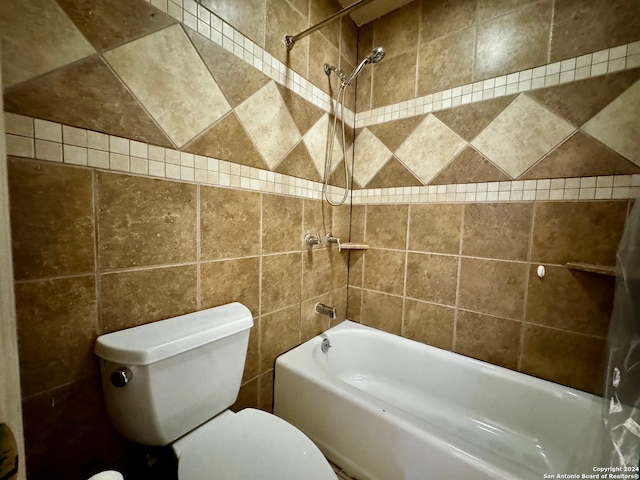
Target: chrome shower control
{"x":311,"y":240}
{"x":120,"y":377}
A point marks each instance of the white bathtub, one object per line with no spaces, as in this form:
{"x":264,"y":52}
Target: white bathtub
{"x":384,"y":408}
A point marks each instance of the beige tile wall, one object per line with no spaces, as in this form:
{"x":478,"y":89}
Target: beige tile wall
{"x":435,"y":45}
{"x":463,"y":277}
{"x":99,"y":245}
{"x":98,"y":251}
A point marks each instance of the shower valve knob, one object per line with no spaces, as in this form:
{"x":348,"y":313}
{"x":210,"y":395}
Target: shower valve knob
{"x":120,"y":377}
{"x":311,"y":240}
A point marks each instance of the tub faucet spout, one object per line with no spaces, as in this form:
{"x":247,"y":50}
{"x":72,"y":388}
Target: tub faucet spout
{"x":327,"y":310}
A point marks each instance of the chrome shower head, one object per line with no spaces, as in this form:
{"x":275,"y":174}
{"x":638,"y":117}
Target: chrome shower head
{"x":375,"y":56}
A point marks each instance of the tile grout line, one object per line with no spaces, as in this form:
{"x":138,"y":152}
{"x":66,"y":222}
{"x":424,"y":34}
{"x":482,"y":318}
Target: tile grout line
{"x":458,"y":279}
{"x":526,"y":285}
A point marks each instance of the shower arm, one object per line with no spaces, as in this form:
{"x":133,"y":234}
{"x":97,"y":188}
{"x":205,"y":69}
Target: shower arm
{"x":290,"y":40}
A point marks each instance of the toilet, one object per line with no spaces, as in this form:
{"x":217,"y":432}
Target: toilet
{"x":171,"y":383}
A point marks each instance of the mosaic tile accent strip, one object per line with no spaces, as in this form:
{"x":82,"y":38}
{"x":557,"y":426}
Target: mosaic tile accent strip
{"x":623,"y":57}
{"x":43,"y":140}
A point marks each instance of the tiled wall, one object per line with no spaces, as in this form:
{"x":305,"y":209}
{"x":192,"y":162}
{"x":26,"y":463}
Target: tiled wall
{"x":463,"y":277}
{"x":495,"y":137}
{"x":156,"y":171}
{"x":499,"y":91}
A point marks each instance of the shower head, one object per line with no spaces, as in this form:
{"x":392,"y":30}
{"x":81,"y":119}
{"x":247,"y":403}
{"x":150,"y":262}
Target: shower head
{"x":375,"y":56}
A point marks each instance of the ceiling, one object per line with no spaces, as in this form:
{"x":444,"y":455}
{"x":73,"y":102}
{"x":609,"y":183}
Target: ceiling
{"x":372,"y":10}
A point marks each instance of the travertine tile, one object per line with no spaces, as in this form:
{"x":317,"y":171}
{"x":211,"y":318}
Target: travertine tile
{"x":435,"y":228}
{"x":493,"y":287}
{"x":571,"y":300}
{"x":618,"y":125}
{"x":393,"y":174}
{"x":394,"y":79}
{"x":363,"y":90}
{"x":128,"y":299}
{"x":316,"y":140}
{"x":387,"y":226}
{"x":52,"y":221}
{"x":370,"y":156}
{"x":282,"y":224}
{"x":492,"y":339}
{"x":282,"y":20}
{"x":443,"y":17}
{"x":318,"y":218}
{"x":86,"y":94}
{"x":563,"y":357}
{"x":229,"y":223}
{"x":316,"y":273}
{"x":492,"y":8}
{"x":267,"y":120}
{"x":522,"y":134}
{"x":279,"y":332}
{"x":584,"y":232}
{"x":393,"y":133}
{"x":514,"y":41}
{"x":312,"y":323}
{"x":583,"y":27}
{"x":428,"y":323}
{"x":164,"y":71}
{"x":68,"y":423}
{"x":252,"y":362}
{"x":143,"y":221}
{"x":469,"y":167}
{"x":443,"y":143}
{"x":384,"y":271}
{"x":237,"y":79}
{"x":298,"y":163}
{"x":230,"y":281}
{"x":108,"y":23}
{"x":37,"y":37}
{"x":227,"y":140}
{"x":354,"y":304}
{"x":470,"y":119}
{"x":322,"y":51}
{"x":265,"y":391}
{"x":247,"y":16}
{"x":579,"y":101}
{"x":497,"y":230}
{"x":247,"y":396}
{"x":57,"y":326}
{"x":382,"y":311}
{"x":581,"y":156}
{"x":432,"y":278}
{"x":446,"y":62}
{"x":304,"y":113}
{"x":281,"y":281}
{"x":386,"y":28}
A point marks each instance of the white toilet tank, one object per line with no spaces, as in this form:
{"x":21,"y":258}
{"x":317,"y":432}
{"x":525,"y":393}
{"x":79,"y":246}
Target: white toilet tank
{"x":163,"y":379}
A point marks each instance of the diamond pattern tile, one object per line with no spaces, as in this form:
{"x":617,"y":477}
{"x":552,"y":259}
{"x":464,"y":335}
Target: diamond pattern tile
{"x":618,"y":124}
{"x":521,"y":135}
{"x":265,"y":117}
{"x":370,"y":155}
{"x":317,"y":142}
{"x":169,"y":78}
{"x":37,"y":37}
{"x":429,"y":148}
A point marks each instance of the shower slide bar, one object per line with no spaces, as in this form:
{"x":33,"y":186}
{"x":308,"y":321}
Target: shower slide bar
{"x":290,"y":40}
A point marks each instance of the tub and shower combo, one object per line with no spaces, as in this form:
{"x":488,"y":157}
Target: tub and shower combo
{"x":383,"y":407}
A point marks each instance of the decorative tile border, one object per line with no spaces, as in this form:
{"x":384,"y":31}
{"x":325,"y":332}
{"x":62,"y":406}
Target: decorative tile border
{"x":591,"y":65}
{"x":583,"y":188}
{"x":43,"y":140}
{"x":200,"y":19}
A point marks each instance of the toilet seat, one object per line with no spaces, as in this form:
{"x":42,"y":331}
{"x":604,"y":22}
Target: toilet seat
{"x":248,"y":445}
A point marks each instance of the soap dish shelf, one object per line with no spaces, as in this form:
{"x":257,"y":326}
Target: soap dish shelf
{"x":587,"y":267}
{"x":353,"y":246}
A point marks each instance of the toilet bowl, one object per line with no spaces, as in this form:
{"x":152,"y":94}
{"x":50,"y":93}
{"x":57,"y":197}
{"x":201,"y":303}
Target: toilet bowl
{"x":171,"y":383}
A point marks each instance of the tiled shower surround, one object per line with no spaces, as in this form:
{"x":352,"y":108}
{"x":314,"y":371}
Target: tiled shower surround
{"x":164,"y":159}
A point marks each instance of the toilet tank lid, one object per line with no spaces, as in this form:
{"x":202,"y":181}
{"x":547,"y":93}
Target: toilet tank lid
{"x":156,"y":341}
